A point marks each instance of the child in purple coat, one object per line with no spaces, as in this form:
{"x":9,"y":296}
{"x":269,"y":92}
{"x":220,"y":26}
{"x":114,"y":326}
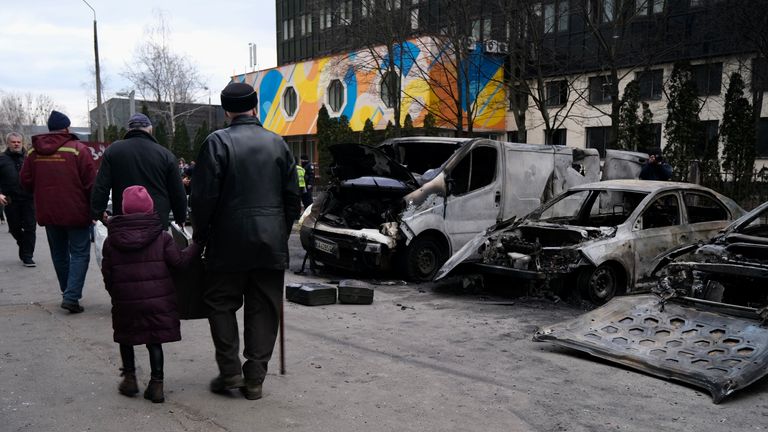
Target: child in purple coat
{"x":137,"y":256}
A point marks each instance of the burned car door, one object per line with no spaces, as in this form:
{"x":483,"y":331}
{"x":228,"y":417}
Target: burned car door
{"x":474,"y":192}
{"x":658,"y":228}
{"x":706,"y":216}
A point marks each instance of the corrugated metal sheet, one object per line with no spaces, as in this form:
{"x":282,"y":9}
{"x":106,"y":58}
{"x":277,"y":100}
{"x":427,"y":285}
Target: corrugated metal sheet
{"x":718,"y":352}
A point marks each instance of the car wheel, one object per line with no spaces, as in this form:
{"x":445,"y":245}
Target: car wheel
{"x":423,"y":259}
{"x":598,"y":285}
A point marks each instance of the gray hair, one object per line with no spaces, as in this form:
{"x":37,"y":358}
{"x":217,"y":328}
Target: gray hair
{"x":13,"y":134}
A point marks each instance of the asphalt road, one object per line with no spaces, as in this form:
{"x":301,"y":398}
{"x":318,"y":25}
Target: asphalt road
{"x":420,"y":358}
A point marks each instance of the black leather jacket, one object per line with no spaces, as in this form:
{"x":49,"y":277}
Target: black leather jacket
{"x":245,"y":197}
{"x":10,"y":165}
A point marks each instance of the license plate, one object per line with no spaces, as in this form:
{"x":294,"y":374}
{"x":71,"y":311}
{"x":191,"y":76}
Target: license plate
{"x":326,"y":246}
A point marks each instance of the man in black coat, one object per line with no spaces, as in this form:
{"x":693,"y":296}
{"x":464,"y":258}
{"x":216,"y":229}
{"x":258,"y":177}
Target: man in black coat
{"x":138,"y":159}
{"x":19,"y":205}
{"x":244,"y":201}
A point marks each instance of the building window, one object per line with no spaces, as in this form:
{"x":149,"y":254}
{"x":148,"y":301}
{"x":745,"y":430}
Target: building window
{"x":651,"y":84}
{"x":762,"y":138}
{"x":336,"y":95}
{"x":326,"y":18}
{"x":697,"y":3}
{"x":598,"y":138}
{"x":288,"y":29}
{"x":345,"y":12}
{"x":365,"y":8}
{"x":306,"y":24}
{"x":709,"y":137}
{"x":391,"y":5}
{"x":760,"y":74}
{"x":609,"y":10}
{"x":390,"y":89}
{"x":599,"y":90}
{"x":658,"y":6}
{"x":290,"y":101}
{"x":709,"y":78}
{"x":641,"y":7}
{"x":414,"y":15}
{"x":558,"y":137}
{"x":481,"y":29}
{"x":518,"y":98}
{"x":557,"y":93}
{"x":556,"y":16}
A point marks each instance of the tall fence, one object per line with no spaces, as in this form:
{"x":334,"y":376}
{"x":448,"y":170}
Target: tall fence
{"x":748,"y":193}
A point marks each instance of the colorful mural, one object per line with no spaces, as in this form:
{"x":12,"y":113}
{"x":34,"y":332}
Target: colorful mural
{"x":426,"y":82}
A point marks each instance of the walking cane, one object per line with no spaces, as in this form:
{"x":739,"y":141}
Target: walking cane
{"x":282,"y":337}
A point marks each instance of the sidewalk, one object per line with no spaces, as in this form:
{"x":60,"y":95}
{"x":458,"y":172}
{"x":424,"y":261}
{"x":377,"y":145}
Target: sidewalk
{"x":349,"y":368}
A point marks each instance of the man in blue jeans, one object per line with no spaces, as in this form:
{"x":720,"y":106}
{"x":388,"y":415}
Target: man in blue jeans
{"x":59,"y":171}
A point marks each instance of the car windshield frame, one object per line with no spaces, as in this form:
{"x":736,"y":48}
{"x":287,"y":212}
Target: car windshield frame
{"x":586,"y":204}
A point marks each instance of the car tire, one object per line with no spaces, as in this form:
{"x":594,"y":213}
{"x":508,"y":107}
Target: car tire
{"x":423,"y":258}
{"x":599,"y":285}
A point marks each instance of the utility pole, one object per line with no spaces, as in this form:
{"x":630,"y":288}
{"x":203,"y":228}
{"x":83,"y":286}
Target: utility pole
{"x":99,"y":107}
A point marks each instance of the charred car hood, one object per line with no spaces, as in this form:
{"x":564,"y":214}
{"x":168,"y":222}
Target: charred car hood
{"x":352,"y":161}
{"x":676,"y":340}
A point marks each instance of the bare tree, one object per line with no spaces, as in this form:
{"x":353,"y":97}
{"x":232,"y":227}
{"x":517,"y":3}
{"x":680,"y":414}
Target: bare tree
{"x":19,"y":112}
{"x":160,"y":74}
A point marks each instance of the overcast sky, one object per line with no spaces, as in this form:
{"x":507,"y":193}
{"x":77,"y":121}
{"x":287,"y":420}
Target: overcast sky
{"x":46,"y":46}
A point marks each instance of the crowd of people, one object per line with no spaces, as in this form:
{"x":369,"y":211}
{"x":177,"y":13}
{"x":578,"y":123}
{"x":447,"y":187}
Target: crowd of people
{"x":245,"y":199}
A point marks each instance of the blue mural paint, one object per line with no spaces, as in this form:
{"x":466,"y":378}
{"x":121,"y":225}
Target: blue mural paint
{"x":350,"y":79}
{"x":479,"y":69}
{"x":405,"y":56}
{"x":268,"y":92}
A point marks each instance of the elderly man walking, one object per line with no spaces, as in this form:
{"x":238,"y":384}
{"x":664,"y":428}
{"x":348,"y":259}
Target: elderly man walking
{"x":244,"y":201}
{"x":19,"y":207}
{"x":138,"y":159}
{"x":59,"y":171}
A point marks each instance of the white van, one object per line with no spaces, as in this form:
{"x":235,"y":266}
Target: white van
{"x":410,"y":203}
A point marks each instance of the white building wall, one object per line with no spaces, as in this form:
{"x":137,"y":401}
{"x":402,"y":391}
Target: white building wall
{"x":581,"y":115}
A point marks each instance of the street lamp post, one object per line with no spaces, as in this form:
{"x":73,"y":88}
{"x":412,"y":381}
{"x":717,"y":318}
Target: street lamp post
{"x":99,"y":107}
{"x":210,"y":124}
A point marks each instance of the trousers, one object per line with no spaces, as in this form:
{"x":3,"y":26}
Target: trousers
{"x":22,"y":226}
{"x":261,"y":291}
{"x":70,"y":253}
{"x":155,"y":359}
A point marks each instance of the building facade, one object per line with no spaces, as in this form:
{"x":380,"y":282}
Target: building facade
{"x":571,"y":58}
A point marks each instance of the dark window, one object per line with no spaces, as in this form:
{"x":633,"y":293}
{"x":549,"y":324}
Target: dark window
{"x":336,"y":95}
{"x":518,"y":98}
{"x":599,"y":90}
{"x":290,"y":101}
{"x":476,"y":170}
{"x":651,"y":84}
{"x":556,"y":16}
{"x":709,"y":78}
{"x":650,"y":138}
{"x":390,"y":88}
{"x":703,"y":208}
{"x":762,"y":138}
{"x":663,"y":212}
{"x":557,"y":138}
{"x":598,"y":138}
{"x":760,"y":74}
{"x":708,"y":130}
{"x":557,"y":93}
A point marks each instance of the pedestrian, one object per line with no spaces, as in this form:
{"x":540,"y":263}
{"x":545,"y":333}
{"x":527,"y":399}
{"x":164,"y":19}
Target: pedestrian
{"x":245,"y":198}
{"x":135,"y":265}
{"x":138,"y":159}
{"x":19,"y":205}
{"x":59,"y":171}
{"x":301,"y":179}
{"x":309,"y":181}
{"x":656,"y":168}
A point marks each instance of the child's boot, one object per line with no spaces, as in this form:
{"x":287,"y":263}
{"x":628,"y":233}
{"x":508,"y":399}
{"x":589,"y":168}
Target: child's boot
{"x":154,"y":391}
{"x":128,"y":386}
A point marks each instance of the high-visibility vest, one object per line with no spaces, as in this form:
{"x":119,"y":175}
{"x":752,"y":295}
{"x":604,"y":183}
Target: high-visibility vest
{"x":300,"y":175}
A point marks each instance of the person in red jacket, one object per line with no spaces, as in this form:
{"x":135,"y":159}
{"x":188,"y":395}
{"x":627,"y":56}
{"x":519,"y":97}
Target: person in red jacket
{"x":136,"y":258}
{"x":59,"y":171}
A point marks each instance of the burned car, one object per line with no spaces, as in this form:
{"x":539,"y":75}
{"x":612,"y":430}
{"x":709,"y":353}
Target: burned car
{"x":605,"y":237}
{"x":409,"y":203}
{"x":732,"y":268}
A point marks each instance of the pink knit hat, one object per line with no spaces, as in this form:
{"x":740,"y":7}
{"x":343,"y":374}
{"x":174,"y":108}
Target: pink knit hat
{"x":136,"y":199}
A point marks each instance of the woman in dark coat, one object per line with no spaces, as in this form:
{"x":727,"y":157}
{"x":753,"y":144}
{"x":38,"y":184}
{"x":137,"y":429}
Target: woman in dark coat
{"x":137,"y":254}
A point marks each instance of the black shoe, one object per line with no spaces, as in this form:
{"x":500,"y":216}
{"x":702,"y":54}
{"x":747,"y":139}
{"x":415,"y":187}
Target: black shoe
{"x":222,"y":383}
{"x":154,"y":391}
{"x":28,"y":262}
{"x":128,"y":386}
{"x":251,"y":390}
{"x":72,"y":307}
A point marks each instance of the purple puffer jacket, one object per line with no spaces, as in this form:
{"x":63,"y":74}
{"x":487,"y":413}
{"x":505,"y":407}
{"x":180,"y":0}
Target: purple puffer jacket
{"x":137,"y":255}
